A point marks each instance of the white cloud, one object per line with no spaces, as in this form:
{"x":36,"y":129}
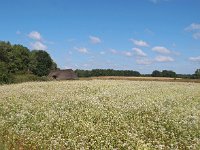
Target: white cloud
{"x":95,"y":40}
{"x":164,"y":59}
{"x":195,"y":59}
{"x":193,"y":26}
{"x":139,"y":43}
{"x":128,"y":54}
{"x":113,"y":51}
{"x":143,"y":61}
{"x":102,"y":52}
{"x":139,"y":52}
{"x":38,"y":46}
{"x":195,"y":29}
{"x":161,"y":49}
{"x":35,"y":35}
{"x":81,"y":49}
{"x":38,"y":43}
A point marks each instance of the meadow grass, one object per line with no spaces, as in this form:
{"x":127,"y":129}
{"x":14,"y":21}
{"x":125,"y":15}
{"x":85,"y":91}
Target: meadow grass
{"x":100,"y":114}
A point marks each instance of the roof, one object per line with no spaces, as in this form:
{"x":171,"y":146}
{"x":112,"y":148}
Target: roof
{"x":63,"y":74}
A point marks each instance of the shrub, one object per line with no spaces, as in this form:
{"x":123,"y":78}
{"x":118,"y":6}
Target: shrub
{"x":19,"y":78}
{"x":5,"y":76}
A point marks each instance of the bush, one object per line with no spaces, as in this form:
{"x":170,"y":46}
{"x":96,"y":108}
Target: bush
{"x":19,"y":78}
{"x":5,"y":76}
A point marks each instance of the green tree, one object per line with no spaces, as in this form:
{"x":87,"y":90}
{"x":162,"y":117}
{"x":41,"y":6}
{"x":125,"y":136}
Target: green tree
{"x":40,"y":63}
{"x":156,"y":73}
{"x":168,"y":73}
{"x":83,"y":73}
{"x":54,"y":66}
{"x":5,"y":77}
{"x":19,"y":59}
{"x":197,"y":74}
{"x":5,"y":48}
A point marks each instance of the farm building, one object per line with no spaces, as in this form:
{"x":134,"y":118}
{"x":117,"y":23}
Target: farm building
{"x":63,"y":74}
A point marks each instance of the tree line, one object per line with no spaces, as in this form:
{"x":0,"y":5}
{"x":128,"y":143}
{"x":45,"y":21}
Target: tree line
{"x":155,"y":73}
{"x":164,"y":73}
{"x":17,"y":59}
{"x":106,"y":72}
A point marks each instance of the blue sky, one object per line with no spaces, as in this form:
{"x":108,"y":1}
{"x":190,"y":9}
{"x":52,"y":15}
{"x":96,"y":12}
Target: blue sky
{"x":142,"y":35}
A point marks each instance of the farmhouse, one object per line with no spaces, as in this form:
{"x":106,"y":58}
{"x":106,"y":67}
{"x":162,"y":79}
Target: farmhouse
{"x":63,"y":74}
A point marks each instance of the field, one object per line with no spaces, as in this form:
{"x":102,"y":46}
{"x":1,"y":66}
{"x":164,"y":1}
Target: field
{"x":165,"y":79}
{"x":100,"y":114}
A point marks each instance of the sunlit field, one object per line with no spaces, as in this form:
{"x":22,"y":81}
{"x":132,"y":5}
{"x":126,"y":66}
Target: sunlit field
{"x":100,"y":114}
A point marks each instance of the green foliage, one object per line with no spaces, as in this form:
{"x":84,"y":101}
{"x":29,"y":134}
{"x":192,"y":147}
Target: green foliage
{"x":5,"y":48}
{"x":156,"y":73}
{"x":19,"y":78}
{"x":164,"y":73}
{"x":106,"y":72}
{"x":5,"y":76}
{"x":196,"y":75}
{"x":197,"y":72}
{"x":168,"y":73}
{"x":17,"y":59}
{"x":83,"y":73}
{"x":41,"y":63}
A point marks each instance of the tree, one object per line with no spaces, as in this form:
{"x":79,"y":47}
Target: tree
{"x":19,"y":58}
{"x":197,"y":74}
{"x":40,"y":63}
{"x":156,"y":73}
{"x":54,"y":66}
{"x":5,"y":77}
{"x":106,"y":72}
{"x":5,"y":48}
{"x":168,"y":73}
{"x":83,"y":73}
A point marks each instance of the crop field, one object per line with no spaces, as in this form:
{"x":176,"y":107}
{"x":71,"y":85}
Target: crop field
{"x":164,"y":79}
{"x":100,"y":114}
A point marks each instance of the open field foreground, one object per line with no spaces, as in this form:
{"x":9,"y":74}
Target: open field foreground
{"x":100,"y":114}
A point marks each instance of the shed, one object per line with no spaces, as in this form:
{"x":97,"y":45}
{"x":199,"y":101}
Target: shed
{"x":63,"y":74}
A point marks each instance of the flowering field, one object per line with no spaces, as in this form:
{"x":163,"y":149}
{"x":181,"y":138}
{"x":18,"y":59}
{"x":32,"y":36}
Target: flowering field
{"x":100,"y":114}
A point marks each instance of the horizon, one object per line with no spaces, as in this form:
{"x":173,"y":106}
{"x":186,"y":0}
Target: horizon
{"x":143,"y":36}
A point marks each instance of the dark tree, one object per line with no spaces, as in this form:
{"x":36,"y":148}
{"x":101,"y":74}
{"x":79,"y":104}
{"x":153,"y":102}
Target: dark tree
{"x":40,"y":62}
{"x":168,"y":73}
{"x":5,"y":48}
{"x":19,"y":59}
{"x":5,"y":77}
{"x":83,"y":73}
{"x":197,"y":74}
{"x":156,"y":73}
{"x":106,"y":72}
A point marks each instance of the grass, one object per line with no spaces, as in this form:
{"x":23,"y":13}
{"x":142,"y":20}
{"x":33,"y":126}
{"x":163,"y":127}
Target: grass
{"x":100,"y":114}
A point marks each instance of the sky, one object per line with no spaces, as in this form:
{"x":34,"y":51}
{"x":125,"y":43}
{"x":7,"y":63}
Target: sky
{"x":141,"y":35}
